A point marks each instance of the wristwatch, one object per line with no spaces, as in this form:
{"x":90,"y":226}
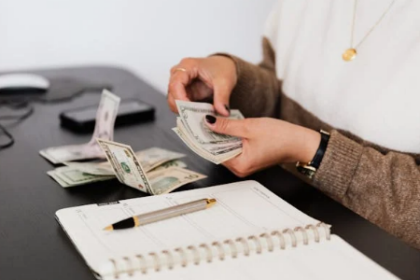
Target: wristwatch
{"x":309,"y":169}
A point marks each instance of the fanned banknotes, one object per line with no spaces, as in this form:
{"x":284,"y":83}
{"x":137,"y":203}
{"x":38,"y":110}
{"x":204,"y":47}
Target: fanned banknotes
{"x":104,"y":129}
{"x":150,"y":159}
{"x":163,"y":170}
{"x":129,"y":170}
{"x":68,"y":176}
{"x":75,"y":175}
{"x":193,"y":131}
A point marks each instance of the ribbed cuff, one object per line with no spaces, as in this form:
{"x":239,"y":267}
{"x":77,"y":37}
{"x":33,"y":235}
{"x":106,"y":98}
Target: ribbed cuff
{"x":338,"y":166}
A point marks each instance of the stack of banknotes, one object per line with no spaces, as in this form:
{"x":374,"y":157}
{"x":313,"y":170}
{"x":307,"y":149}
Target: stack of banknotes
{"x":193,"y":131}
{"x":155,"y":170}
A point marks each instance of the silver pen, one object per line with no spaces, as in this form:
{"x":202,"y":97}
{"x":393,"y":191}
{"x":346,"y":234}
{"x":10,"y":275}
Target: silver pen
{"x":163,"y":214}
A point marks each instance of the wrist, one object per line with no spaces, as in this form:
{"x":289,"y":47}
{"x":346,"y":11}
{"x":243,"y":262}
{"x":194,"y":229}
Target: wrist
{"x":309,"y":167}
{"x":230,"y":64}
{"x":307,"y":145}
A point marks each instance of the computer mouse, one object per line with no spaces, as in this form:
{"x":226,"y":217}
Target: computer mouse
{"x":23,"y":83}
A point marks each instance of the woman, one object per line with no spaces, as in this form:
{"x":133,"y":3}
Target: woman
{"x":349,"y":68}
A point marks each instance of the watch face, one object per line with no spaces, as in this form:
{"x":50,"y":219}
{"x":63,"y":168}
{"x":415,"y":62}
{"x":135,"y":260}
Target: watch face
{"x":306,"y":170}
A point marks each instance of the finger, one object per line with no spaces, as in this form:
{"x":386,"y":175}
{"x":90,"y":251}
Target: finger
{"x":177,"y":84}
{"x":221,"y":99}
{"x":227,"y":126}
{"x":172,"y":104}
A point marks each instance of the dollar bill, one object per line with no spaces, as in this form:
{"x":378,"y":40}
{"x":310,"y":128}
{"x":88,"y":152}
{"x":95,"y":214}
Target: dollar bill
{"x":154,"y":157}
{"x":163,"y":179}
{"x":149,"y":159}
{"x":215,"y":157}
{"x":129,"y":170}
{"x":169,"y":164}
{"x":104,"y":129}
{"x":126,"y":165}
{"x":217,"y":149}
{"x":167,"y":180}
{"x":194,"y":148}
{"x":54,"y":174}
{"x":72,"y":176}
{"x":192,"y":116}
{"x":93,"y":168}
{"x":193,"y":131}
{"x":69,"y":177}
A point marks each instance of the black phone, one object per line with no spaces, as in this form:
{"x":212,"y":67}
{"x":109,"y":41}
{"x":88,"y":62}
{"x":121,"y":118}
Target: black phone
{"x":130,"y":111}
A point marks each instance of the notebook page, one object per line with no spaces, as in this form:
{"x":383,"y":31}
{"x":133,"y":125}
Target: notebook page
{"x":327,"y":260}
{"x":242,"y":209}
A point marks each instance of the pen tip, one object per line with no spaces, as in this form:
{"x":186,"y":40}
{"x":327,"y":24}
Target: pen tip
{"x":109,"y":228}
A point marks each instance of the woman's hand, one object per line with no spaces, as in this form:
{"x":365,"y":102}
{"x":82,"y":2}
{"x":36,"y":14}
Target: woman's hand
{"x":195,"y":79}
{"x":266,"y":142}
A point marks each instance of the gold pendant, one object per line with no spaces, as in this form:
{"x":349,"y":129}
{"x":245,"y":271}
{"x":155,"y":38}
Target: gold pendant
{"x":349,"y":54}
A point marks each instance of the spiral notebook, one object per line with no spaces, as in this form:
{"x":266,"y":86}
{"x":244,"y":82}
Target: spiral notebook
{"x":249,"y":234}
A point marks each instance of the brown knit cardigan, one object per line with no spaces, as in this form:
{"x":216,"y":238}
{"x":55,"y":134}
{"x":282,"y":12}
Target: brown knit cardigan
{"x":381,"y":185}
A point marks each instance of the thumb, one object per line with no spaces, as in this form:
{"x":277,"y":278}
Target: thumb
{"x":221,"y":99}
{"x":231,"y":127}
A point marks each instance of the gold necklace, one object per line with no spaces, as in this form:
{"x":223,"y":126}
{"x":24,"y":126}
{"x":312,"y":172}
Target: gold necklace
{"x":351,"y":53}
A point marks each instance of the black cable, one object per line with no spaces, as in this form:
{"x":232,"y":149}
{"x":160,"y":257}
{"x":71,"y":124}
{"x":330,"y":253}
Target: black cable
{"x":22,"y":102}
{"x":18,"y":118}
{"x":10,"y":136}
{"x":15,"y":118}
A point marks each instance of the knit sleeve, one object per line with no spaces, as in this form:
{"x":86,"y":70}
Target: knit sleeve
{"x":257,"y":91}
{"x":383,"y":188}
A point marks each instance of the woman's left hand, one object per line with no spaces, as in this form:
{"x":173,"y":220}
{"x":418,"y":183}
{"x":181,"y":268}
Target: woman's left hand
{"x":266,"y":142}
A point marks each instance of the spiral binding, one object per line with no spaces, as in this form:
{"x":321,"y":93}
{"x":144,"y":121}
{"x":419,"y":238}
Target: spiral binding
{"x":140,"y":262}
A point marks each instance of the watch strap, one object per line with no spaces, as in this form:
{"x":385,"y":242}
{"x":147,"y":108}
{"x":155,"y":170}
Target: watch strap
{"x":311,"y":167}
{"x":319,"y":155}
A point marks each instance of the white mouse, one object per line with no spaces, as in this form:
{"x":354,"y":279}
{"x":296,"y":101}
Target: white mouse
{"x":23,"y":81}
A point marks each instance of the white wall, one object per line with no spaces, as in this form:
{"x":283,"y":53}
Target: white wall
{"x":148,"y":37}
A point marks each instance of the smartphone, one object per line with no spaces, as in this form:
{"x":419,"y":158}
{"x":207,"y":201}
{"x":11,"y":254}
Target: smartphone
{"x":130,"y":111}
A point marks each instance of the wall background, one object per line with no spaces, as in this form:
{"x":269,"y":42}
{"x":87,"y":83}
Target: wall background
{"x":147,"y":37}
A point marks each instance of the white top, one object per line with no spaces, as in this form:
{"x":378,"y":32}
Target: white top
{"x":377,"y":95}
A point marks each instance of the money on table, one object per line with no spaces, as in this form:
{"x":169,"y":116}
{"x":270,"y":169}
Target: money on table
{"x":154,"y":171}
{"x":70,"y":177}
{"x":104,"y":129}
{"x":75,"y":175}
{"x":164,"y":172}
{"x":129,"y":170}
{"x":149,"y":159}
{"x":126,"y":165}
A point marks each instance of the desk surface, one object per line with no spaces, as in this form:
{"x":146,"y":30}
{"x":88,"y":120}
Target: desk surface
{"x":32,"y":244}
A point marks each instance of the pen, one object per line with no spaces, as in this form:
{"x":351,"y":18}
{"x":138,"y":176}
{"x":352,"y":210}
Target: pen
{"x":163,"y":214}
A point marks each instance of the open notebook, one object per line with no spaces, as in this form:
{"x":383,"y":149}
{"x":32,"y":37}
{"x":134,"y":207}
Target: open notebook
{"x":249,"y":234}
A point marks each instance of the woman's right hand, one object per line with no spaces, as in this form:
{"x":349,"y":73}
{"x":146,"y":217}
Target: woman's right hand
{"x":196,"y":79}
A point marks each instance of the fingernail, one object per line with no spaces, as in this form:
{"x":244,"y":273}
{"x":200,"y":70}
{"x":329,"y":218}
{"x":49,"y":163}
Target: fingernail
{"x":210,"y":119}
{"x":227,"y":108}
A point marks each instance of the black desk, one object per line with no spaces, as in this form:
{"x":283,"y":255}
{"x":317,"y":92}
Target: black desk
{"x":32,"y":244}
